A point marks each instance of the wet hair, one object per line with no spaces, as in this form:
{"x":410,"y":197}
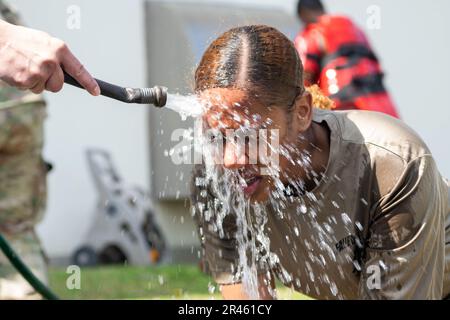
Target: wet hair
{"x":315,"y":5}
{"x":258,"y":59}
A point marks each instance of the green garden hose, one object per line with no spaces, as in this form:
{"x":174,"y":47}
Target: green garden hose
{"x":25,"y":271}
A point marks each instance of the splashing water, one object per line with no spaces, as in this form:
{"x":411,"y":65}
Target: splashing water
{"x":185,"y":105}
{"x":226,"y":186}
{"x":253,"y":244}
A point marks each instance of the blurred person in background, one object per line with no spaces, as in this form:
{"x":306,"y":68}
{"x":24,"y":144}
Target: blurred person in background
{"x":337,"y":56}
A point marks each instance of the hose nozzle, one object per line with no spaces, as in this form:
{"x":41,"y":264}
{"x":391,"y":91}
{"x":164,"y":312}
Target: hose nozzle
{"x":156,"y":95}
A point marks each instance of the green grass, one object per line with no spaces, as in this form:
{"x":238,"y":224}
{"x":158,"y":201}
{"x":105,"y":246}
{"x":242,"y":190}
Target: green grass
{"x":155,"y":282}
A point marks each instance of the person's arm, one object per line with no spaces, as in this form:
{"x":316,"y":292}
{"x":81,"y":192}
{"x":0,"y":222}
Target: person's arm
{"x":32,"y":59}
{"x":266,"y":290}
{"x":404,"y":255}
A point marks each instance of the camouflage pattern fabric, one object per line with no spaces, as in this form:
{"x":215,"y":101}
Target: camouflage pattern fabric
{"x":22,"y":181}
{"x":22,"y":186}
{"x":12,"y":284}
{"x":22,"y":169}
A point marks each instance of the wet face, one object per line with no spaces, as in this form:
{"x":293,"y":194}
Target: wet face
{"x":252,"y":137}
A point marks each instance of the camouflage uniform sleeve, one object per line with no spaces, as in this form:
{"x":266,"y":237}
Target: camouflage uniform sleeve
{"x":22,"y":169}
{"x":22,"y":181}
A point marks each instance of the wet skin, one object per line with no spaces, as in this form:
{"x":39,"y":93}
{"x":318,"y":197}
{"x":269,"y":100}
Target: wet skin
{"x":233,"y":109}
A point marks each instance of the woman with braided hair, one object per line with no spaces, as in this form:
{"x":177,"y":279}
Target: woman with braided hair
{"x":354,"y":208}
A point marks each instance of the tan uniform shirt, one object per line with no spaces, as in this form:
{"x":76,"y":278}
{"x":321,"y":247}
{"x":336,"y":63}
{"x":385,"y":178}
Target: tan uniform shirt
{"x":377,"y":225}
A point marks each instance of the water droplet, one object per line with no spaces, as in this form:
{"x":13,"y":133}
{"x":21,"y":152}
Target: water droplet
{"x":345,"y":218}
{"x":359,"y":226}
{"x":357,"y":265}
{"x":334,"y":289}
{"x":303,"y":208}
{"x":401,"y":260}
{"x":287,"y":240}
{"x":211,"y":288}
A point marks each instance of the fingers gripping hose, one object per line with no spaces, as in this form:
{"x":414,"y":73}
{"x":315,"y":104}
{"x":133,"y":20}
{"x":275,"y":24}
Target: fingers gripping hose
{"x":156,"y":95}
{"x":25,"y":272}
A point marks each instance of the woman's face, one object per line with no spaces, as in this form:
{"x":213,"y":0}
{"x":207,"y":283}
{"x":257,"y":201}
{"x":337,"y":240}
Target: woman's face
{"x":251,"y":137}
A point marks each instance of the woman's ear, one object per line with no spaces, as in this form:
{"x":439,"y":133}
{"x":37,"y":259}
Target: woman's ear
{"x":303,"y":111}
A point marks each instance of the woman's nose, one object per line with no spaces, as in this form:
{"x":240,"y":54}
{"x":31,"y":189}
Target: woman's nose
{"x":234,"y":157}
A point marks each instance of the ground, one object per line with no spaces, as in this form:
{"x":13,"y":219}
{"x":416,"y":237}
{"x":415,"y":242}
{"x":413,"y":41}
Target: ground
{"x":155,"y":282}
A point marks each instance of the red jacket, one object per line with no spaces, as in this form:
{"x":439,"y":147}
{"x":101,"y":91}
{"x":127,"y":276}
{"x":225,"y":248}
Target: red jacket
{"x":337,"y":56}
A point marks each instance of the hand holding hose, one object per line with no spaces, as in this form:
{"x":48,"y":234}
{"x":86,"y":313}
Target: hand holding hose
{"x":32,"y":59}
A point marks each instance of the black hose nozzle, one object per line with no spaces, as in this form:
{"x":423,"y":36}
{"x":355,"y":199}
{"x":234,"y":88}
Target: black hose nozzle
{"x":156,"y":95}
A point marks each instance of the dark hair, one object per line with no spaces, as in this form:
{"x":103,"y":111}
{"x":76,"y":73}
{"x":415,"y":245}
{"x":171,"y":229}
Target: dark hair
{"x":258,"y":59}
{"x":315,"y":5}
